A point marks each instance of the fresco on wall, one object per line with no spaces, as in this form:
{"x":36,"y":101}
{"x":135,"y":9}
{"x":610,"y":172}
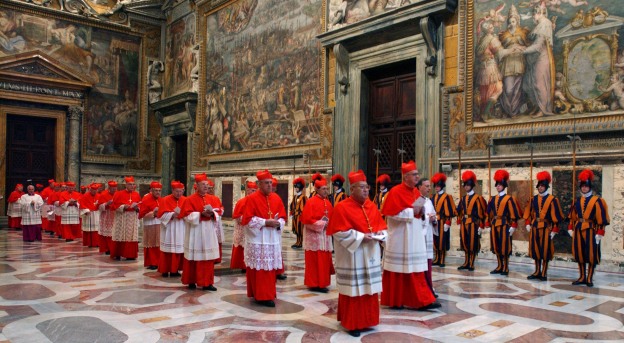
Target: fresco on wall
{"x":110,"y":60}
{"x":262,"y":76}
{"x":180,"y":59}
{"x":546,"y":60}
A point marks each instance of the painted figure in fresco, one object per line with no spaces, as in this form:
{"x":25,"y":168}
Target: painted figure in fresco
{"x":126,"y":120}
{"x":338,"y":11}
{"x":10,"y":41}
{"x":617,"y":89}
{"x":488,"y":80}
{"x":512,"y":65}
{"x":75,"y":48}
{"x":539,"y":79}
{"x":356,"y":11}
{"x":153,"y":84}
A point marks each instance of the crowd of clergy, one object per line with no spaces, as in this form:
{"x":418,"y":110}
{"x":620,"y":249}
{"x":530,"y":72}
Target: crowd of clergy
{"x":380,"y":251}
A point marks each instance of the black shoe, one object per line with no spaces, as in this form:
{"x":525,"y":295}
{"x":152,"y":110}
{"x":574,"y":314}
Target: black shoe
{"x":532,"y":277}
{"x":471,"y":269}
{"x":209,"y":288}
{"x":130,"y":259}
{"x":462,"y":267}
{"x":152,"y":267}
{"x":504,"y":273}
{"x":495,"y":271}
{"x":579,"y":282}
{"x":431,"y":306}
{"x":294,"y":246}
{"x":543,"y":278}
{"x":175,"y":274}
{"x":590,"y":284}
{"x":69,"y":240}
{"x":244,"y":271}
{"x":354,"y":333}
{"x":435,"y":295}
{"x":319,"y":289}
{"x":107,"y":253}
{"x":165,"y":274}
{"x":267,"y":303}
{"x":192,"y":286}
{"x":397,"y":307}
{"x":281,"y":276}
{"x":118,"y":258}
{"x":441,"y":265}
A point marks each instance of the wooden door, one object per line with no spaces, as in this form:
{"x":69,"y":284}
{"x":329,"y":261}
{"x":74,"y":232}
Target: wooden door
{"x":180,"y":159}
{"x":282,"y":191}
{"x":391,"y":120}
{"x":227,"y":195}
{"x":30,"y":150}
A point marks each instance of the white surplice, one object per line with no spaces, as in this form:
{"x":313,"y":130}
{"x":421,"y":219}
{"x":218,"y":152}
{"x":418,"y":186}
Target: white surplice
{"x":358,"y":263}
{"x":31,"y":206}
{"x":429,"y":209}
{"x":200,"y":237}
{"x":172,"y":233}
{"x":405,"y":250}
{"x":263,"y":248}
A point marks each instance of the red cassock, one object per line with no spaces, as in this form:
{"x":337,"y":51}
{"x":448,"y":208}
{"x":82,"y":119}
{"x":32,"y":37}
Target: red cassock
{"x":88,"y":201}
{"x":318,"y":256}
{"x":151,"y":241}
{"x":170,"y":262}
{"x":361,"y":311}
{"x":15,"y":222}
{"x":238,"y":251}
{"x":199,"y":272}
{"x":261,"y":283}
{"x":55,"y":225}
{"x":45,"y":194}
{"x":106,"y":242}
{"x":126,"y":249}
{"x":70,"y":231}
{"x":403,"y":289}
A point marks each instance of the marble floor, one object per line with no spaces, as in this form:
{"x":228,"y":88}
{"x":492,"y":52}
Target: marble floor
{"x":53,"y":291}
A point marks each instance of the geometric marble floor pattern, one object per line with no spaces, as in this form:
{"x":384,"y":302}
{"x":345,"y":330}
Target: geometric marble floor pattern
{"x":53,"y":291}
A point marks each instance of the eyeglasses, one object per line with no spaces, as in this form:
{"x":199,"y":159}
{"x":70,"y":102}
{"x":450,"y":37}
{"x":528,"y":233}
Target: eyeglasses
{"x":364,"y":187}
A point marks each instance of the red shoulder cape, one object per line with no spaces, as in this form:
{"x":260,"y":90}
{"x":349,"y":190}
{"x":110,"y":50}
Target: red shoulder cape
{"x":169,"y":203}
{"x":315,"y":208}
{"x":349,"y":214}
{"x":399,"y":198}
{"x":148,"y":204}
{"x":259,"y":205}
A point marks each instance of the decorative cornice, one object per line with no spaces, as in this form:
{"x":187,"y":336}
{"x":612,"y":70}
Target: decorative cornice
{"x":386,"y":20}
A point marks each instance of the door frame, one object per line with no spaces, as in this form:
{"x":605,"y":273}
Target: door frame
{"x":59,"y":145}
{"x":352,"y":126}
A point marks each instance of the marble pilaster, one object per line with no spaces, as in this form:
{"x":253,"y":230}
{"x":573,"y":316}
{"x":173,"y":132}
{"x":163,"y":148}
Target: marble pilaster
{"x":167,"y":151}
{"x":74,"y":114}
